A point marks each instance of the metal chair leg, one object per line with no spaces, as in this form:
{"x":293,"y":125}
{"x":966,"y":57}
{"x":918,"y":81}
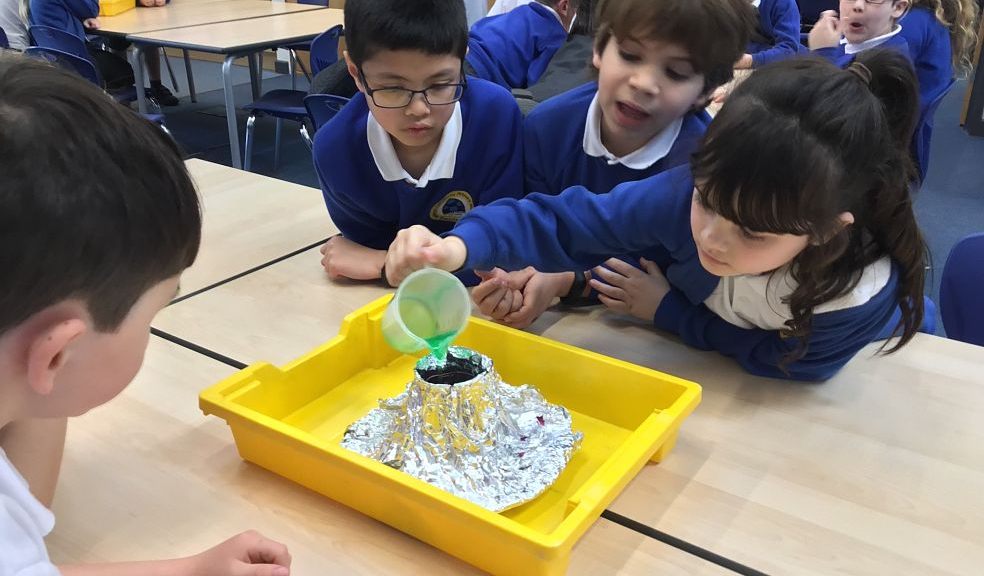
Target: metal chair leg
{"x":248,"y":154}
{"x":170,"y":71}
{"x":276,"y":144}
{"x":304,"y":70}
{"x":306,"y":137}
{"x":191,"y":78}
{"x":291,"y":60}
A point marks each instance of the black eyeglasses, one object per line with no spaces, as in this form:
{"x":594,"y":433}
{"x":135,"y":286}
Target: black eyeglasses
{"x":436,"y":95}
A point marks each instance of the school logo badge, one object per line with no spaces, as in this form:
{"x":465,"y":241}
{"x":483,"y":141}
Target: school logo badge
{"x":452,"y":207}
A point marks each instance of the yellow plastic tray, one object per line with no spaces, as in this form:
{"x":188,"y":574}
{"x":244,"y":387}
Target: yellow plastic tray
{"x":291,"y":420}
{"x":114,"y":7}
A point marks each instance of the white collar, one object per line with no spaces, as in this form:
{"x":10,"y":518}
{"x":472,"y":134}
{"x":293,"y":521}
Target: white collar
{"x":756,"y":3}
{"x":654,"y":150}
{"x":441,"y":165}
{"x":870,"y":43}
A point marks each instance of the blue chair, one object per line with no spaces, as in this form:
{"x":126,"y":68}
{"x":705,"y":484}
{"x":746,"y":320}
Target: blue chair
{"x":960,"y":291}
{"x":4,"y":43}
{"x":289,"y":104}
{"x":321,"y":108}
{"x":84,"y":68}
{"x":924,"y":133}
{"x":301,"y":47}
{"x":48,"y":37}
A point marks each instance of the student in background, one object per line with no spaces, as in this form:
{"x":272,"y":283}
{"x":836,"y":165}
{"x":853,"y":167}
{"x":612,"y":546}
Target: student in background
{"x":77,"y":16}
{"x":514,"y":49}
{"x":420,"y":143}
{"x":13,"y":23}
{"x":941,"y":38}
{"x":779,"y":28}
{"x":78,"y":300}
{"x":861,"y":25}
{"x":789,"y":259}
{"x":657,"y":63}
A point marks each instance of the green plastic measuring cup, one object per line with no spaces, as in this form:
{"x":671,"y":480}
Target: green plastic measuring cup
{"x":430,"y":309}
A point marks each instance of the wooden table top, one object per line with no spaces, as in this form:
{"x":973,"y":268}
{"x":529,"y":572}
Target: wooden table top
{"x":247,"y":34}
{"x":148,"y":476}
{"x":181,"y":13}
{"x":879,"y":470}
{"x":249,"y":220}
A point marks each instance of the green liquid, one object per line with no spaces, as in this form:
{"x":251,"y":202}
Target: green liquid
{"x":418,"y":319}
{"x":439,"y":345}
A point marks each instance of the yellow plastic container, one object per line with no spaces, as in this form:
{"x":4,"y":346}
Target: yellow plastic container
{"x":291,"y":420}
{"x":114,"y":7}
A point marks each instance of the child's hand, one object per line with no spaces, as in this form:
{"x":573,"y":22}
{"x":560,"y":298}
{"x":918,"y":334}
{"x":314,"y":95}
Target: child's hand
{"x":630,"y":290}
{"x":826,"y":32}
{"x":538,"y":294}
{"x":343,"y":258}
{"x":744,"y":63}
{"x":719,"y":95}
{"x":417,"y":247}
{"x":160,"y":2}
{"x":248,"y":554}
{"x":500,"y":292}
{"x":91,"y":23}
{"x":146,"y":3}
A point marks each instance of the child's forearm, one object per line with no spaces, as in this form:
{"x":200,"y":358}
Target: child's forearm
{"x":35,"y":448}
{"x":173,"y":567}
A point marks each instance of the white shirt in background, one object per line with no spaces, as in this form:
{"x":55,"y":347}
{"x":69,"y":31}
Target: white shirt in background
{"x":24,"y":522}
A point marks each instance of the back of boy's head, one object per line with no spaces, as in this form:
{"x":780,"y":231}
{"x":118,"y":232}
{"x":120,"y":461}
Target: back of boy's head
{"x":802,"y":141}
{"x":95,"y":202}
{"x":436,"y":27}
{"x":714,"y":32}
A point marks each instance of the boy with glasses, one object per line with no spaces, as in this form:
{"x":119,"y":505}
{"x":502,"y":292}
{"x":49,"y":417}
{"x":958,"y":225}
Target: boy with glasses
{"x":861,"y":25}
{"x":420,"y":143}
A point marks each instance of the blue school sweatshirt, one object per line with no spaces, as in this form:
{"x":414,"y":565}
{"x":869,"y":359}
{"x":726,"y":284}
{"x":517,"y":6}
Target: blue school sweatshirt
{"x":554,"y":147}
{"x":779,"y":21}
{"x":838,"y":56}
{"x":513,"y":49}
{"x":579,"y":229}
{"x":64,"y":15}
{"x":931,"y":53}
{"x":370,"y":211}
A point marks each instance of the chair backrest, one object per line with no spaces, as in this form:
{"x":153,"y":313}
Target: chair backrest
{"x":323,"y":107}
{"x":960,"y":291}
{"x":48,"y":37}
{"x":922,"y":137}
{"x":4,"y":43}
{"x":324,"y":49}
{"x":82,"y":66}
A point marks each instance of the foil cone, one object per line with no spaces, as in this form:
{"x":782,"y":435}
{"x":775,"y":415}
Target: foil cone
{"x":459,"y":427}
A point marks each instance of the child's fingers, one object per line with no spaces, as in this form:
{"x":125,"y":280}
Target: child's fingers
{"x":504,"y":306}
{"x":262,"y":550}
{"x":609,"y":276}
{"x":613,"y":304}
{"x":489,"y":304}
{"x":649,"y":266}
{"x":607,"y":289}
{"x":261,"y":570}
{"x":485,"y":288}
{"x":622,"y":267}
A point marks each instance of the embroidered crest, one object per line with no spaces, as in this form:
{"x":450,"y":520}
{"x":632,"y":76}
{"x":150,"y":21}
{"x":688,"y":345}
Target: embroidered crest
{"x":452,"y":207}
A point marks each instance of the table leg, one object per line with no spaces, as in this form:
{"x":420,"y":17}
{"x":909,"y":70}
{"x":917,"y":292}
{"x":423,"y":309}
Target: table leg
{"x":137,"y":62}
{"x":191,"y":77}
{"x":254,"y":74}
{"x":230,"y":106}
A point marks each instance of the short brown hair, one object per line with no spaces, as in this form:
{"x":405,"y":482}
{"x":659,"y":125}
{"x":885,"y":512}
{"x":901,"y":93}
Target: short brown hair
{"x":714,"y":32}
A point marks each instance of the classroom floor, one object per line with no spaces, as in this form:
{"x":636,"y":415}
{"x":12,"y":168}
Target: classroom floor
{"x":949,"y":206}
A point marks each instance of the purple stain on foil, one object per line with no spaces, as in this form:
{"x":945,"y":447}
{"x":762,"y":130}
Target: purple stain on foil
{"x":481,"y":439}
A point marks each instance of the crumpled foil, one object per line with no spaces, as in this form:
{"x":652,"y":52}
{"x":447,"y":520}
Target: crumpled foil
{"x":483,"y":440}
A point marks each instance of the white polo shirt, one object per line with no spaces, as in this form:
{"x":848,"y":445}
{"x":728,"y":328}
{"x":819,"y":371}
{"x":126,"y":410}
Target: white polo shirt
{"x":24,"y":522}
